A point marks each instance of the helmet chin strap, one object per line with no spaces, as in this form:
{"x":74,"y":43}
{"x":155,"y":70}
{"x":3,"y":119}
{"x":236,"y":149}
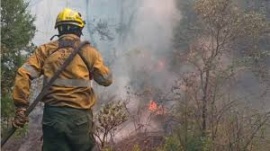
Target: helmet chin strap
{"x":53,"y":37}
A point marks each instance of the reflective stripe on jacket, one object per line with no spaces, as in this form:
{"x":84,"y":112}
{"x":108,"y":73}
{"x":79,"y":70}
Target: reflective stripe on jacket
{"x":72,"y":88}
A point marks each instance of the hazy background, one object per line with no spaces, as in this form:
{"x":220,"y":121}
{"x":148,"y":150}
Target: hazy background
{"x":135,"y":38}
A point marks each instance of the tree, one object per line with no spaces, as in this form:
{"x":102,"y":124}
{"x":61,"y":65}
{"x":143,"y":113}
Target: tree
{"x":17,"y":30}
{"x":210,"y":52}
{"x":224,"y":24}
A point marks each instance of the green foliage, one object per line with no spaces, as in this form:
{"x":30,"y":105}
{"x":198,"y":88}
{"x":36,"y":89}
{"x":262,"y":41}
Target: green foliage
{"x":7,"y":112}
{"x":17,"y":27}
{"x":17,"y":30}
{"x":7,"y":106}
{"x":196,"y":144}
{"x":174,"y":143}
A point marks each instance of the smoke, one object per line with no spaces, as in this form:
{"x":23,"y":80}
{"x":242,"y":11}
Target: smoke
{"x":141,"y":57}
{"x":142,"y":32}
{"x":143,"y":52}
{"x":142,"y":60}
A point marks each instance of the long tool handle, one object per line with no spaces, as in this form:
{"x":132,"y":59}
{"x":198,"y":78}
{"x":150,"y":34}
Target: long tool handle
{"x":44,"y":90}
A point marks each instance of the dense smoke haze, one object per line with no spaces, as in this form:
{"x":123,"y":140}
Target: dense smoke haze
{"x":135,"y":38}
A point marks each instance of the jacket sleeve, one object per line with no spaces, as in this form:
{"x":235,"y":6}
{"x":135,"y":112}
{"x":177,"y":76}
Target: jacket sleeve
{"x":30,"y":70}
{"x":100,"y":72}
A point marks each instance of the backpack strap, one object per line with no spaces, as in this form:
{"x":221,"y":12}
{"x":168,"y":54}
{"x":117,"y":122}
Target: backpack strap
{"x":71,"y":43}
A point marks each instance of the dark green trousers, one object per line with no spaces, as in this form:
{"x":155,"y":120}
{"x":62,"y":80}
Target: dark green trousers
{"x":67,"y":129}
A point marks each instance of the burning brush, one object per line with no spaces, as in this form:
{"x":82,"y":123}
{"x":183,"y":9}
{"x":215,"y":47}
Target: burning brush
{"x":153,"y":107}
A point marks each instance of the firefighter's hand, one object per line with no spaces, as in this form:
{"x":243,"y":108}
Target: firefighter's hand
{"x":20,"y":118}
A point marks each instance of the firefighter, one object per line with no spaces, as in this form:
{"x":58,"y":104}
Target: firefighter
{"x":67,"y":118}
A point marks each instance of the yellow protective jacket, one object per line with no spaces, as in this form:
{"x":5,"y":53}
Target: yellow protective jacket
{"x":72,"y":88}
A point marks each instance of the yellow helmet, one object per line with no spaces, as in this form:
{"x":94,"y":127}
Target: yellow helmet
{"x":69,"y":17}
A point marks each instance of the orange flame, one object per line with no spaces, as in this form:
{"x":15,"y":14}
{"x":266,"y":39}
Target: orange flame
{"x":153,"y":107}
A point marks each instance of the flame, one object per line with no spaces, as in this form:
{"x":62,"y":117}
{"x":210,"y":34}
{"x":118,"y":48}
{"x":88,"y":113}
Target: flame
{"x":153,"y":107}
